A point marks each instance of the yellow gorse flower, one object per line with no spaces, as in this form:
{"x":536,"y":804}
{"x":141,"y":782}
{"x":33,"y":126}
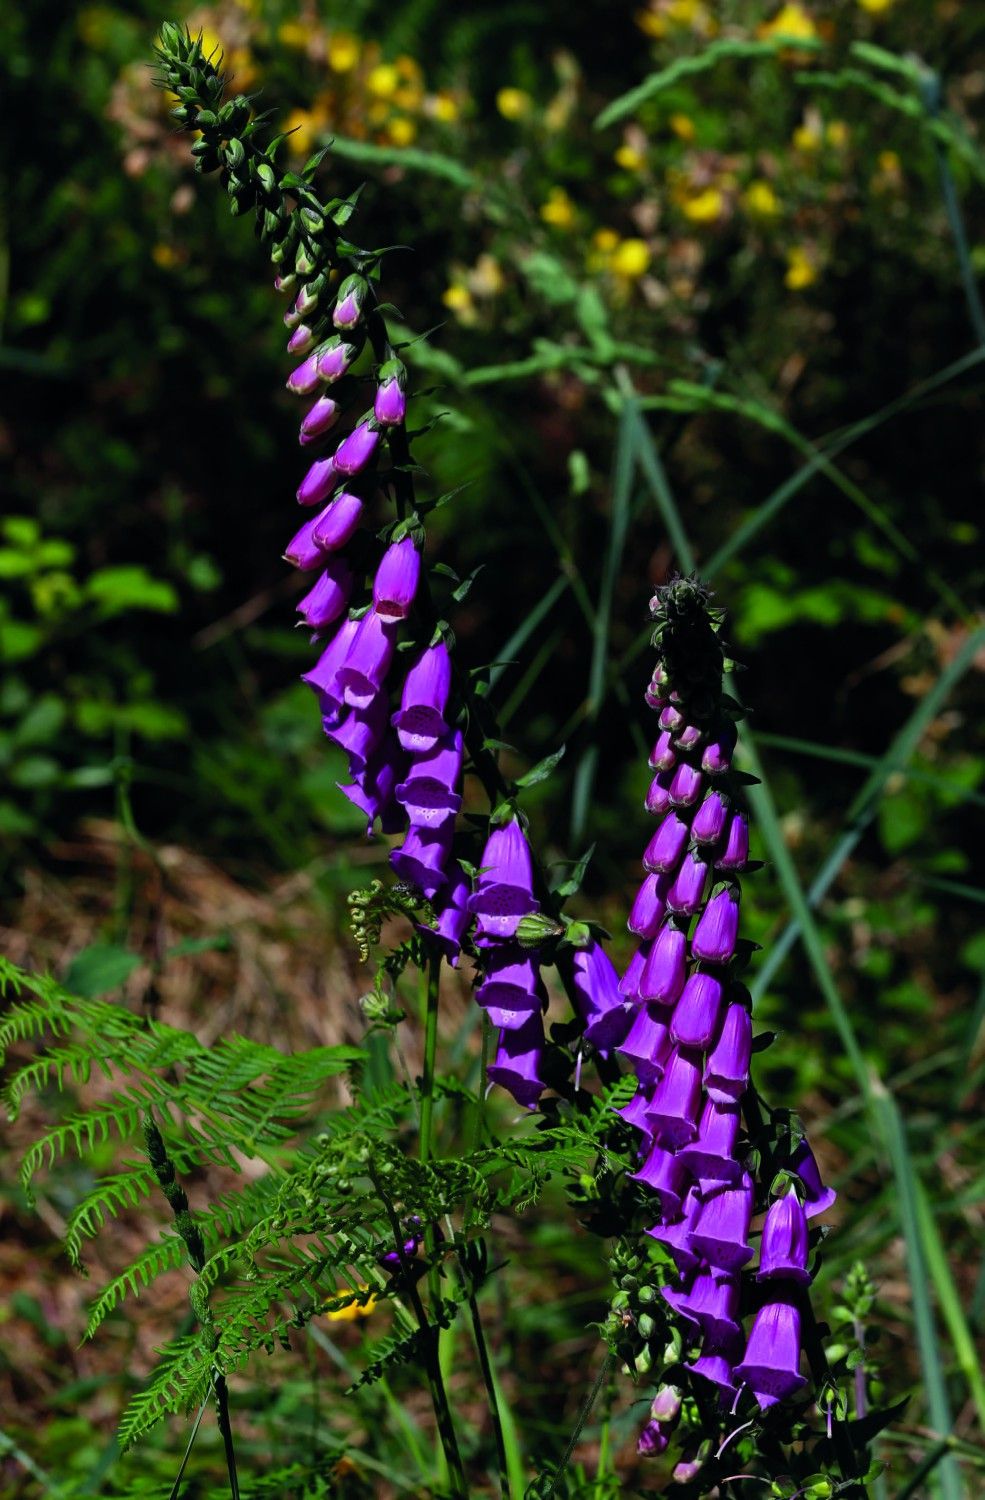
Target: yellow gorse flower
{"x":801,"y":270}
{"x":352,"y":1311}
{"x":792,"y":21}
{"x":877,"y":7}
{"x":630,"y":259}
{"x":630,"y":159}
{"x":558,"y":210}
{"x":760,"y":201}
{"x":383,"y":80}
{"x":704,"y":206}
{"x":342,"y":51}
{"x":513,"y":104}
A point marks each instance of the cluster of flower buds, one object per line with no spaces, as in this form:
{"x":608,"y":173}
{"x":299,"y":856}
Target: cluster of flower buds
{"x":690,"y":1040}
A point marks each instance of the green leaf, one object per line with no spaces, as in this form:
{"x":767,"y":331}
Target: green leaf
{"x":99,"y":969}
{"x":541,"y":770}
{"x":116,"y":590}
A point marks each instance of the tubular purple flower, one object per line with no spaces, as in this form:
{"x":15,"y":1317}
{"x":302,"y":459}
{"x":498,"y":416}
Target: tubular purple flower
{"x":663,"y":973}
{"x":671,"y":719}
{"x":715,"y":1364}
{"x":362,"y":674}
{"x":647,"y":1045}
{"x":396,"y":580}
{"x":330,"y":595}
{"x":695,"y":1018}
{"x":710,"y":818}
{"x":666,"y":1405}
{"x":390,"y":406}
{"x":303,"y":380}
{"x":673,"y":1111}
{"x":359,"y":734}
{"x":349,"y":302}
{"x":685,"y":785}
{"x":727,"y":1069}
{"x":319,"y":418}
{"x":429,"y":792}
{"x":716,"y":757}
{"x":818,"y":1197}
{"x":303,"y":551}
{"x":334,"y":359}
{"x":307,"y":298}
{"x":333,"y":527}
{"x":510,"y":991}
{"x":505,"y":892}
{"x":635,"y":1112}
{"x":372,"y":790}
{"x":301,"y":340}
{"x":677,"y":1236}
{"x":355,"y":451}
{"x":770,"y":1365}
{"x":663,"y":757}
{"x":453,"y":918}
{"x":684,"y":896}
{"x":649,"y":906}
{"x":713,"y":1303}
{"x":735,"y":855}
{"x":323,"y":676}
{"x":783,"y":1250}
{"x":420,"y":723}
{"x":721,"y":1226}
{"x":603,"y":1009}
{"x":688,"y":738}
{"x":422,"y":858}
{"x":652,"y":1440}
{"x":663,"y":1174}
{"x":711,"y":1158}
{"x":519,"y":1060}
{"x":718,"y":927}
{"x":629,"y":984}
{"x":664,"y":851}
{"x":318,"y":483}
{"x":658,"y":795}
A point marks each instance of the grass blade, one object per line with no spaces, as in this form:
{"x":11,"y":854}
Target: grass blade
{"x":949,"y":1301}
{"x":523,"y":632}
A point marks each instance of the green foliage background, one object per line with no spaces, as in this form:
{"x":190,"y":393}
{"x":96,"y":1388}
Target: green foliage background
{"x":820,"y":444}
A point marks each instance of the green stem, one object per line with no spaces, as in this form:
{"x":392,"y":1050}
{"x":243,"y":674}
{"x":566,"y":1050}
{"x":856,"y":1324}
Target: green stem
{"x":429,"y":985}
{"x":492,"y":1393}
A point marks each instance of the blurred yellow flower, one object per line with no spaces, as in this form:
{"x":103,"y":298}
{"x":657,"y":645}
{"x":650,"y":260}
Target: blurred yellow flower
{"x":801,"y":270}
{"x":664,"y":14}
{"x":630,"y":258}
{"x":458,"y":298}
{"x":306,"y":125}
{"x":409,"y":68}
{"x":513,"y":104}
{"x":888,"y":161}
{"x":682,"y":126}
{"x":836,"y":134}
{"x":704,"y":206}
{"x":486,"y":278}
{"x":630,"y":159}
{"x":164,"y":256}
{"x":295,"y":34}
{"x":352,"y":1310}
{"x":343,"y":51}
{"x":877,"y":7}
{"x":760,"y":201}
{"x":791,"y":20}
{"x":383,"y":80}
{"x":558,"y":211}
{"x":444,"y":107}
{"x":605,"y":240}
{"x":401,"y":130}
{"x":409,"y":96}
{"x":806,"y":138}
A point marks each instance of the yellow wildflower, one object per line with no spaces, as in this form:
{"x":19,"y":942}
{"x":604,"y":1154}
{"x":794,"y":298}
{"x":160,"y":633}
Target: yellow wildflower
{"x":605,"y":240}
{"x":801,"y":270}
{"x":558,"y":210}
{"x":409,"y":96}
{"x":630,"y":159}
{"x":877,"y":7}
{"x":409,"y":68}
{"x":444,"y":107}
{"x":682,"y":126}
{"x":806,"y":138}
{"x":513,"y":104}
{"x":401,"y":130}
{"x":295,"y":34}
{"x":760,"y":201}
{"x":630,"y":258}
{"x":458,"y":298}
{"x":836,"y":134}
{"x":305,"y":124}
{"x":164,"y":256}
{"x":352,"y":1310}
{"x":342,"y":52}
{"x":383,"y":80}
{"x":889,"y":162}
{"x":792,"y":21}
{"x":704,"y":206}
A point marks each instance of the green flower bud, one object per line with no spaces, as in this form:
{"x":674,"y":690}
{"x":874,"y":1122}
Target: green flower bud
{"x":646,"y":1325}
{"x":535,"y":929}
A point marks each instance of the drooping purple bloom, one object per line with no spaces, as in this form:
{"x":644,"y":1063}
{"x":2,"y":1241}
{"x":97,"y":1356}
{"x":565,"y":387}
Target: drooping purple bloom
{"x":671,"y":719}
{"x":420,"y":722}
{"x":721,"y":1227}
{"x":673,"y":1111}
{"x":430,"y":792}
{"x":710,"y":819}
{"x":664,"y":1175}
{"x":677,"y":1236}
{"x":783,"y":1250}
{"x":359,"y":734}
{"x":652,"y":1440}
{"x":304,"y":379}
{"x":657,"y":799}
{"x":635,"y":1112}
{"x":390,"y":406}
{"x":647,"y":1046}
{"x":663,"y":852}
{"x":306,"y":300}
{"x":663,"y":755}
{"x":718,"y":927}
{"x":318,"y":483}
{"x":695,"y":1018}
{"x":334,"y":358}
{"x":372,"y":790}
{"x":505,"y":892}
{"x":453,"y":916}
{"x":511,"y":991}
{"x":361,"y":675}
{"x":685,"y":894}
{"x":603,"y":1009}
{"x":663,"y":973}
{"x":716,"y":757}
{"x":688,"y":738}
{"x":685,"y":785}
{"x":727,"y":1069}
{"x":735,"y":855}
{"x":629,"y":984}
{"x":337,"y":522}
{"x":349,"y":302}
{"x":519,"y":1061}
{"x":649,"y":906}
{"x":713,"y":1303}
{"x":396,"y":580}
{"x":320,"y":417}
{"x":355,"y":451}
{"x":423,"y":856}
{"x":323,"y":677}
{"x":770,"y":1365}
{"x":303,"y":551}
{"x":715,"y":1363}
{"x":819,"y":1197}
{"x":330,"y":595}
{"x":711,"y":1157}
{"x":301,"y":340}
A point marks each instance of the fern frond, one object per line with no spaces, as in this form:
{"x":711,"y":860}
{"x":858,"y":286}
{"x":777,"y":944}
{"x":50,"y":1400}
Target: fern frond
{"x":179,"y":1382}
{"x":403,"y":1348}
{"x":108,"y":1199}
{"x":167,"y":1255}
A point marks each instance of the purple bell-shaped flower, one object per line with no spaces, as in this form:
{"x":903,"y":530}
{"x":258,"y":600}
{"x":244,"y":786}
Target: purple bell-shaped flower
{"x":364,"y":670}
{"x":510,"y":992}
{"x":420,"y":722}
{"x":727,"y":1069}
{"x":430,"y":791}
{"x":818,"y":1197}
{"x":710,"y":819}
{"x":452,"y":921}
{"x":685,"y":785}
{"x":663,"y":973}
{"x":330,"y":595}
{"x":372,"y":790}
{"x":711,"y":1157}
{"x":334,"y":358}
{"x":422,"y":858}
{"x":664,"y":1175}
{"x":718,"y":927}
{"x":695,"y":1018}
{"x":783,"y":1249}
{"x":770,"y":1365}
{"x":318,"y":483}
{"x":603,"y":1009}
{"x":519,"y":1062}
{"x":337,"y":522}
{"x":320,"y":418}
{"x":396,"y":580}
{"x":673,"y":1111}
{"x":649,"y":906}
{"x":355,"y":451}
{"x":721,"y":1228}
{"x":735,"y":855}
{"x":323,"y":677}
{"x":360,"y":734}
{"x":663,"y":756}
{"x":505,"y":891}
{"x":647,"y":1045}
{"x":684,"y":896}
{"x":663,"y":852}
